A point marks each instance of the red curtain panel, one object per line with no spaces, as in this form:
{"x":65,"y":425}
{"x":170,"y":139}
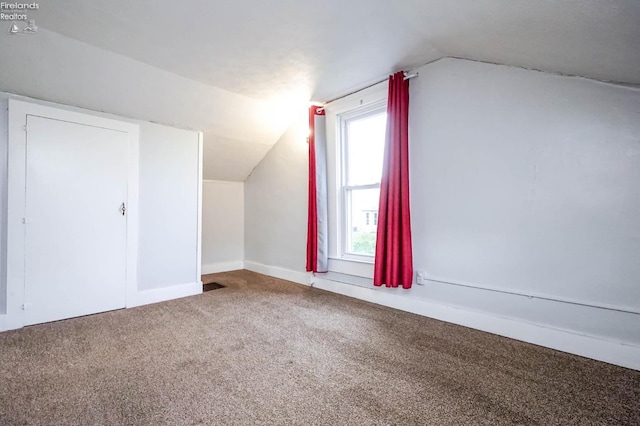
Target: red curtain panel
{"x":317,"y":227}
{"x":393,"y":261}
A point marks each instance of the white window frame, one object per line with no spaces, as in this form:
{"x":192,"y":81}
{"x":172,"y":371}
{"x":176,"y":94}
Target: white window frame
{"x":361,"y":266}
{"x":342,"y":122}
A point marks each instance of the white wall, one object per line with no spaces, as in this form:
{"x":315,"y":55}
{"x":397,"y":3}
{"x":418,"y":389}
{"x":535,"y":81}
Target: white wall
{"x":530,"y":183}
{"x":522,"y":182}
{"x":222,"y":226}
{"x":276,"y":202}
{"x":169,"y":182}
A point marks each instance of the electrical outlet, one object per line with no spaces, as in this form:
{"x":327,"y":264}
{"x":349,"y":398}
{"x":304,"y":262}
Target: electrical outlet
{"x":421,"y":277}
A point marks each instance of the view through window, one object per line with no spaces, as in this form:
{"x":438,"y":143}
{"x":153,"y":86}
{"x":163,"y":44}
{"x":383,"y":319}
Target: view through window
{"x":363,"y":144}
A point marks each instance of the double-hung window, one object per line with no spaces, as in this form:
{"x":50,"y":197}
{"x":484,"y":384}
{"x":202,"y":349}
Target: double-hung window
{"x":361,"y":142}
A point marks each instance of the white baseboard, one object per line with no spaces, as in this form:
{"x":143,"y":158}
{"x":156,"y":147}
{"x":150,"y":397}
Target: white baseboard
{"x":146,"y":297}
{"x":594,"y":347}
{"x":212,"y":268}
{"x":277,"y":272}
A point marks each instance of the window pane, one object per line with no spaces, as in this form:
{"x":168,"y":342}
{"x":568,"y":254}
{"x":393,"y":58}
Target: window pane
{"x":365,"y":149}
{"x":363,"y":218}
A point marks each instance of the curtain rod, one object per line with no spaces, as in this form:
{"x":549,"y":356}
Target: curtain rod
{"x":406,"y":77}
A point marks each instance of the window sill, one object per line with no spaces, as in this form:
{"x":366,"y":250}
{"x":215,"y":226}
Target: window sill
{"x":349,"y":266}
{"x":357,"y":259}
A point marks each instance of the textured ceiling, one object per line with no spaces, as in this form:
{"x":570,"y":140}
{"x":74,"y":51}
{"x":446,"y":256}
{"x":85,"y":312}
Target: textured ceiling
{"x":273,"y":56}
{"x":264,"y":49}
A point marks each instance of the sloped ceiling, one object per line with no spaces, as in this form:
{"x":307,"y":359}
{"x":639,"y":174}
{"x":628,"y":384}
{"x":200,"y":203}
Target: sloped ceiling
{"x":239,"y":69}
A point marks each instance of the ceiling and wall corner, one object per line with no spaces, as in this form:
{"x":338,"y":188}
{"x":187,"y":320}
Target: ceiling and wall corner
{"x":240,"y":70}
{"x":55,"y":68}
{"x":588,"y":38}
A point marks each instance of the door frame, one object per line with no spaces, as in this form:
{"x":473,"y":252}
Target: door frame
{"x":17,"y":157}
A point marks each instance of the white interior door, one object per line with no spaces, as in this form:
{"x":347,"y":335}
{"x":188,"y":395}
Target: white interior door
{"x":75,"y":241}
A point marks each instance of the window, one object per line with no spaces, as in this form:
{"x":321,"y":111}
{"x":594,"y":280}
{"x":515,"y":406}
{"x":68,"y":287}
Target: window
{"x":362,"y":135}
{"x":356,"y":128}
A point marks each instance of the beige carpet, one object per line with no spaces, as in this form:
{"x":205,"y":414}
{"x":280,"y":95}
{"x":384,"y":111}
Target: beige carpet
{"x":266,"y":351}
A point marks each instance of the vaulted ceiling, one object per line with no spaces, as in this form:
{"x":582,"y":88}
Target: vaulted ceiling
{"x":238,"y":69}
